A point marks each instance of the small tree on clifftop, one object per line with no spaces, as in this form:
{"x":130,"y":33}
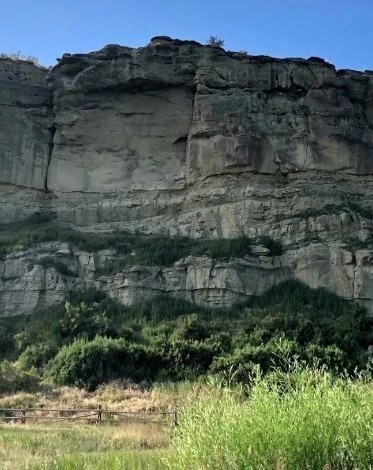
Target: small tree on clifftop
{"x":215,"y":41}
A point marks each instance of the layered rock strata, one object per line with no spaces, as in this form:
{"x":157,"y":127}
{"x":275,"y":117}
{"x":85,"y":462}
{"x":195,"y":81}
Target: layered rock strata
{"x":183,"y":139}
{"x":28,"y":284}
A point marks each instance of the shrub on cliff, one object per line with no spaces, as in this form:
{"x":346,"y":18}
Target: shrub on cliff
{"x":215,"y":41}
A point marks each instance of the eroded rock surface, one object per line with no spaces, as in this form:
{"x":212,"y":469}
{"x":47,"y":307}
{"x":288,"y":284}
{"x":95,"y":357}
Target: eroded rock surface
{"x":27,"y":283}
{"x":25,"y":118}
{"x":183,"y":139}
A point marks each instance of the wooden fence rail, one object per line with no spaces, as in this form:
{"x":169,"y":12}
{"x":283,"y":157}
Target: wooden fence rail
{"x":95,"y":415}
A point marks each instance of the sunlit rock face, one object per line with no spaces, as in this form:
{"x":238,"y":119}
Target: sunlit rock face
{"x":177,"y":138}
{"x":25,"y":115}
{"x":177,"y":110}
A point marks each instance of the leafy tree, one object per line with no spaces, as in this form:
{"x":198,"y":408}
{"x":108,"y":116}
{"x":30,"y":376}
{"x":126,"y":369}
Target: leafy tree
{"x":215,"y":41}
{"x":37,"y":356}
{"x":83,"y":320}
{"x":170,"y":339}
{"x":14,"y":379}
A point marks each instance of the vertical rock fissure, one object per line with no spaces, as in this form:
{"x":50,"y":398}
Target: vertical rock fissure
{"x":52,"y":131}
{"x":188,"y":161}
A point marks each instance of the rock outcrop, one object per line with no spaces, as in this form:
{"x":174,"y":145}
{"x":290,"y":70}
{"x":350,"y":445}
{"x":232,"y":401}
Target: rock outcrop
{"x":28,"y":283}
{"x":183,"y":139}
{"x":25,"y":116}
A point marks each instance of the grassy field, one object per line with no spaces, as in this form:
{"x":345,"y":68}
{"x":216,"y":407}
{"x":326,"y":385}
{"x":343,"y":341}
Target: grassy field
{"x":73,"y":445}
{"x":82,"y":446}
{"x":304,"y":418}
{"x":112,"y":396}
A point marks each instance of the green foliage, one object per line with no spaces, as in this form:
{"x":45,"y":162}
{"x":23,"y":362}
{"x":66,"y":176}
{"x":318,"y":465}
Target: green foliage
{"x":361,"y":209}
{"x":164,"y":251}
{"x":6,"y":340}
{"x":14,"y":379}
{"x":276,"y":353}
{"x":36,"y":356}
{"x":177,"y":340}
{"x":83,"y":320}
{"x":191,"y":328}
{"x":215,"y":41}
{"x":274,"y":246}
{"x":292,"y":420}
{"x":348,"y":205}
{"x":89,"y":363}
{"x":131,"y":248}
{"x":185,"y":360}
{"x":59,"y":266}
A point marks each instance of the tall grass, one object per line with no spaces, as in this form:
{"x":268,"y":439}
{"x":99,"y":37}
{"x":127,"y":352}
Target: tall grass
{"x":299,"y":420}
{"x":130,"y":460}
{"x":82,"y":446}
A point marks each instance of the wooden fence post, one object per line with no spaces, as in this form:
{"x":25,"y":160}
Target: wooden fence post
{"x":99,"y":414}
{"x":23,"y":414}
{"x":175,"y":417}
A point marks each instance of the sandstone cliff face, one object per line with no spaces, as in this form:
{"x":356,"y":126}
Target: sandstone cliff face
{"x":177,"y":110}
{"x":183,"y":139}
{"x":25,"y":105}
{"x":27,"y":284}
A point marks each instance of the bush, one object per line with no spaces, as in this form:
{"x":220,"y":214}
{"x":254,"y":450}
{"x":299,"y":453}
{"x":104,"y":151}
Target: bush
{"x":6,"y":340}
{"x":242,"y":362}
{"x":83,"y":320}
{"x":274,"y":246}
{"x":187,"y":341}
{"x":50,"y":262}
{"x":13,"y":379}
{"x":37,"y":356}
{"x":190,"y":327}
{"x":185,"y":360}
{"x":302,"y":419}
{"x":215,"y":41}
{"x":89,"y":363}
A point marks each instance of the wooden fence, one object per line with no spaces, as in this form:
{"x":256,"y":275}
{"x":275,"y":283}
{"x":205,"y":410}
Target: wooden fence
{"x":90,"y":415}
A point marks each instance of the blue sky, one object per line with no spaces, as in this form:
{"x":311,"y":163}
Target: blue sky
{"x":339,"y":31}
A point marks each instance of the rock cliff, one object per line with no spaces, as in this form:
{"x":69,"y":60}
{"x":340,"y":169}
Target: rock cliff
{"x":177,"y":138}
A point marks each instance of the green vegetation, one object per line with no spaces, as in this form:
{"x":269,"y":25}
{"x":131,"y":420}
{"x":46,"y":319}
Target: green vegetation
{"x":293,"y":417}
{"x":14,"y":378}
{"x":80,"y":446}
{"x":302,"y":419}
{"x":50,"y":262}
{"x":327,"y":209}
{"x":255,"y":363}
{"x":91,"y":339}
{"x":131,"y":248}
{"x":215,"y":41}
{"x":274,"y":246}
{"x":323,"y":210}
{"x":360,"y":209}
{"x":89,"y":363}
